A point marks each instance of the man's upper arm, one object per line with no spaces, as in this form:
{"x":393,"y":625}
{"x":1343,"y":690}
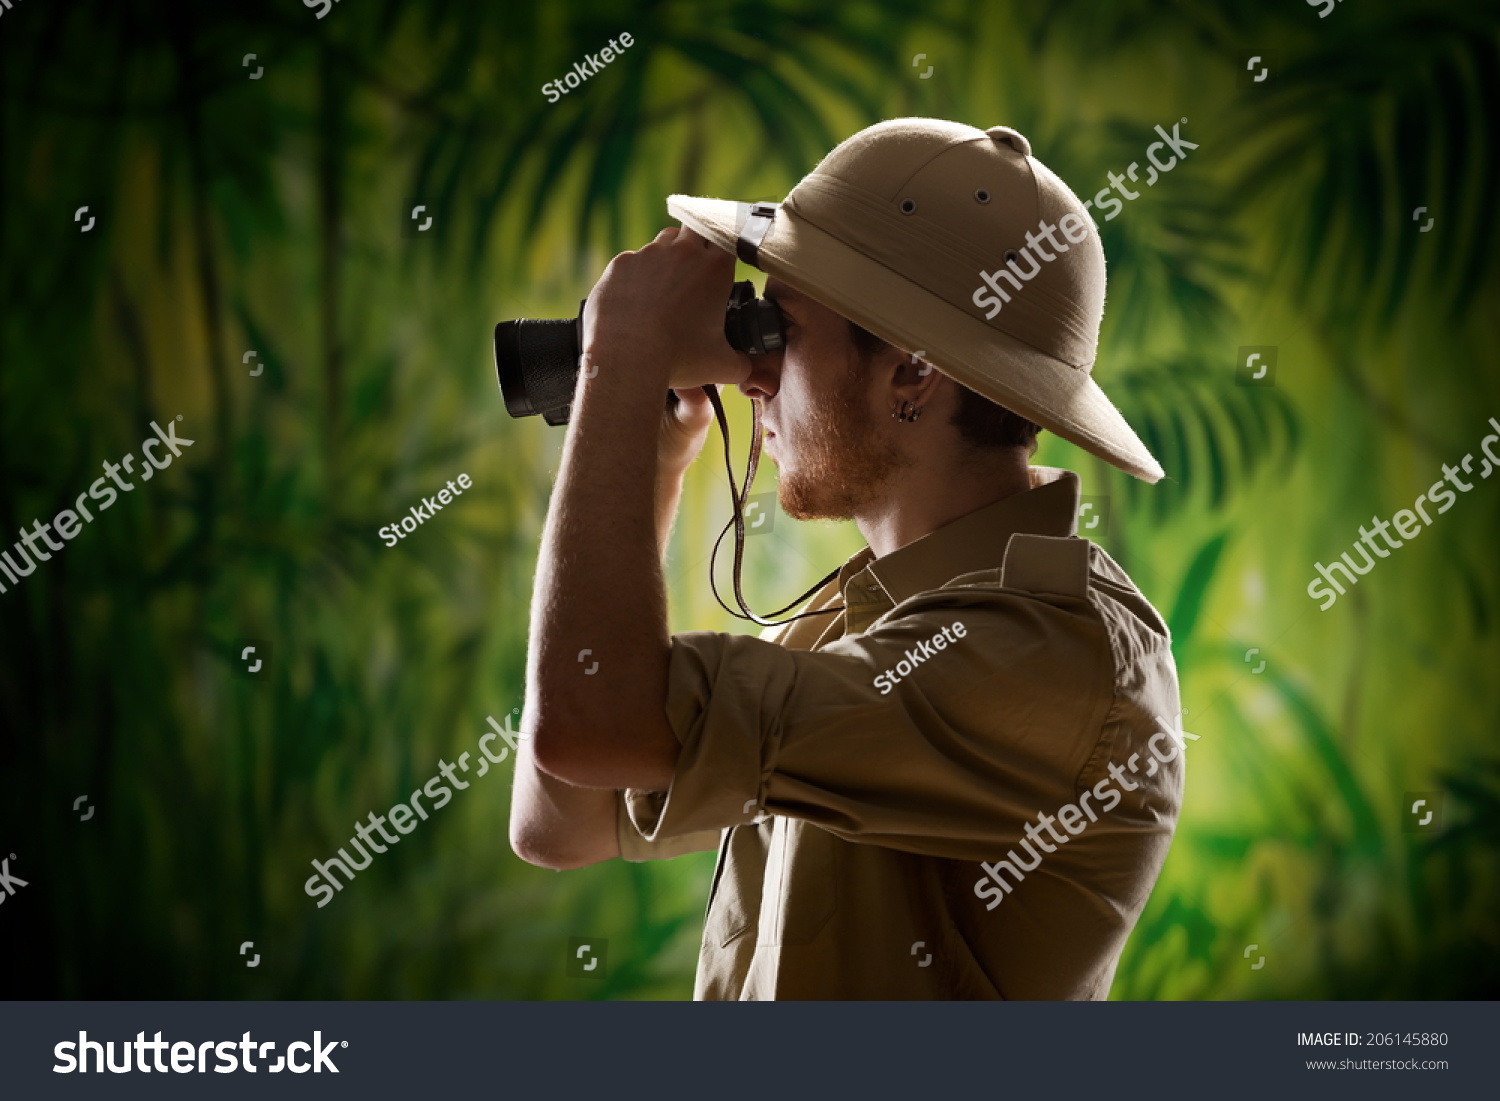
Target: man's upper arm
{"x":890,"y":737}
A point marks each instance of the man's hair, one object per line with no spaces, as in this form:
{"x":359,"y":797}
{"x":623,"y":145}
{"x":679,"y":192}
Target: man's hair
{"x":981,"y":423}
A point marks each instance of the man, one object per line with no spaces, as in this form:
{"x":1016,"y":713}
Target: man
{"x":957,"y":781}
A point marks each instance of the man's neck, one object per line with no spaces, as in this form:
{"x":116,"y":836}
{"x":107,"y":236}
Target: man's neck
{"x":925,"y":501}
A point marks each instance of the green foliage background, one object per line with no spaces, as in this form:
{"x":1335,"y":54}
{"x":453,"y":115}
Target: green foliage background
{"x":238,"y":214}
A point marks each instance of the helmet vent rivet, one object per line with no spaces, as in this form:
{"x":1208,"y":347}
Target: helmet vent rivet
{"x":982,"y":195}
{"x":1011,"y":256}
{"x":908,"y":206}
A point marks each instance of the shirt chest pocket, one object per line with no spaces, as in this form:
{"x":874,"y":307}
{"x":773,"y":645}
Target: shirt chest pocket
{"x":734,"y":902}
{"x":800,"y":892}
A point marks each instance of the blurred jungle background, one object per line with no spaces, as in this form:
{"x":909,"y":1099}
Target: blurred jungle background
{"x":264,"y":205}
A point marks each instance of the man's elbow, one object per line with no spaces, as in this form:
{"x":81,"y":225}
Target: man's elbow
{"x":558,"y":854}
{"x":533,"y":851}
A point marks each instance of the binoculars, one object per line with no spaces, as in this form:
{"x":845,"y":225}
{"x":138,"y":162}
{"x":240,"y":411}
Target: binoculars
{"x":537,"y":361}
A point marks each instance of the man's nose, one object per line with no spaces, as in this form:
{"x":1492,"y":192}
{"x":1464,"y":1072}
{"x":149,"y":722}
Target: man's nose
{"x":765,"y":376}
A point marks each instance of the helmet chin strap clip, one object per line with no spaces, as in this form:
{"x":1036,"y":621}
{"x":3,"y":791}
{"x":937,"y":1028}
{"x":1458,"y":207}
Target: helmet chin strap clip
{"x":753,"y":232}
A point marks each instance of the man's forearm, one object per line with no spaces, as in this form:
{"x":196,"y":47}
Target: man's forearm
{"x":557,"y":825}
{"x":597,"y":663}
{"x":599,"y":588}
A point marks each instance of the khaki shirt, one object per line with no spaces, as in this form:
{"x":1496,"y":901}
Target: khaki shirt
{"x":861,"y":779}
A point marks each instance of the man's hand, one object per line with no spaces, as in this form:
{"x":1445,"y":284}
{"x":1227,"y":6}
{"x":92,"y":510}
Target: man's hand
{"x":684,"y":427}
{"x":663,"y":307}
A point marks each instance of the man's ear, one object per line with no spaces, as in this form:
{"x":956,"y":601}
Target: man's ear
{"x":913,"y":378}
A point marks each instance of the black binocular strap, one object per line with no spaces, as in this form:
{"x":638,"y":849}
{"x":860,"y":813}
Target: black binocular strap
{"x":738,"y":495}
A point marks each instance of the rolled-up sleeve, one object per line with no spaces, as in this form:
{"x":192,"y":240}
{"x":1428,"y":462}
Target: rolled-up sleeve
{"x":950,"y":758}
{"x":636,"y":848}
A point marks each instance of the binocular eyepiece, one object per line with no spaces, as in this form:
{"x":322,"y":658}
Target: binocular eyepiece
{"x":537,"y":361}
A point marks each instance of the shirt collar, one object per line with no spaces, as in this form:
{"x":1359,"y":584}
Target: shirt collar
{"x":970,"y":543}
